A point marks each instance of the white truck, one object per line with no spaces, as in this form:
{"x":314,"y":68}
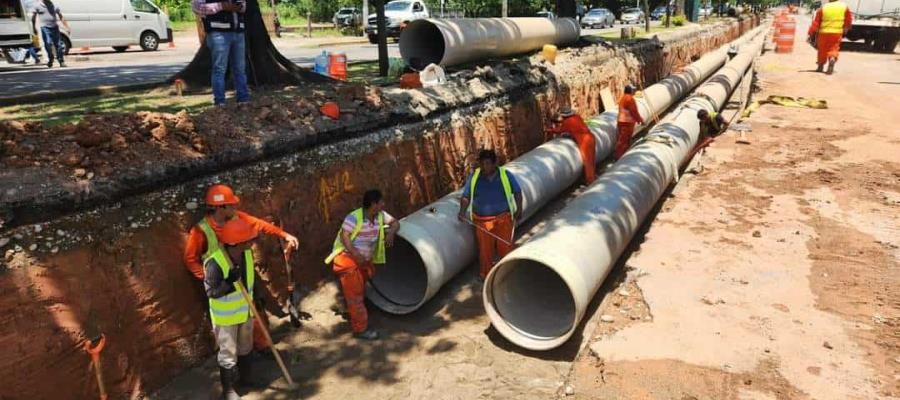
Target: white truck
{"x":397,"y":14}
{"x":877,"y":22}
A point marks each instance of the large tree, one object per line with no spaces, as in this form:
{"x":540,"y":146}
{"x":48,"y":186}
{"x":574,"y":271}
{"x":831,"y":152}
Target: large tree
{"x":265,"y":64}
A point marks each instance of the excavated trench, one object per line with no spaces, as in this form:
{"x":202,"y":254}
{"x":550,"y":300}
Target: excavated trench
{"x":116,"y":267}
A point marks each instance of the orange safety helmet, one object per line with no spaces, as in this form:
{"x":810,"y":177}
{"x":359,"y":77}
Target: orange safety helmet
{"x":237,"y":231}
{"x":331,"y":110}
{"x":221,"y":195}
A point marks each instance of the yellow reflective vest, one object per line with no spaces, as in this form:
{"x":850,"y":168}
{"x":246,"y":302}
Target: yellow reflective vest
{"x":833,"y":17}
{"x":507,"y":190}
{"x":231,"y":309}
{"x":358,"y":214}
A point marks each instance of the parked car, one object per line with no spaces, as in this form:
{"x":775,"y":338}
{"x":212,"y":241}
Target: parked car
{"x":15,"y":27}
{"x":658,"y":13}
{"x":705,"y":11}
{"x":598,"y":17}
{"x":114,"y":23}
{"x":347,"y":16}
{"x":546,"y":14}
{"x":397,"y":14}
{"x":632,"y":16}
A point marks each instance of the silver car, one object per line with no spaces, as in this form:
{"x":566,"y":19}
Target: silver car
{"x":632,"y":15}
{"x":598,"y":17}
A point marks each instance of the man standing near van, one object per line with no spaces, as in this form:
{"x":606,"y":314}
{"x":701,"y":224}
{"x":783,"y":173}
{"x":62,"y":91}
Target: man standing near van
{"x":223,"y":22}
{"x":50,"y":16}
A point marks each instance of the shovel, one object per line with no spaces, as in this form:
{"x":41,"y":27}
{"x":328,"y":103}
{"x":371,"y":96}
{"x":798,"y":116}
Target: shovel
{"x":293,"y":296}
{"x":255,"y":312}
{"x":93,"y":347}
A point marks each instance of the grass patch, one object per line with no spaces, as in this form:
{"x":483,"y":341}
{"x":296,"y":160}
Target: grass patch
{"x":184,"y":26}
{"x":59,"y":112}
{"x":367,"y":73}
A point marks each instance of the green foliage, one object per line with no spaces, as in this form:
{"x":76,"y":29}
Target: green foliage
{"x":677,"y":20}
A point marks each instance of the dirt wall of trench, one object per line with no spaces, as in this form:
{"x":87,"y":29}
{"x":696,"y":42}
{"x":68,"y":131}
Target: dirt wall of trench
{"x":118,"y":269}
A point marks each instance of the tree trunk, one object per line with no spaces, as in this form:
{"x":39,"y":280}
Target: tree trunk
{"x":504,"y":9}
{"x":265,"y":65}
{"x":679,"y":5}
{"x":566,"y":9}
{"x":646,"y":16}
{"x":383,"y":65}
{"x":668,"y":14}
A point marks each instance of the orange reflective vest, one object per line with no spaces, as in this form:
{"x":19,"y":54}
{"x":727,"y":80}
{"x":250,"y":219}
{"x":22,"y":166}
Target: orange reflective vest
{"x":833,"y":17}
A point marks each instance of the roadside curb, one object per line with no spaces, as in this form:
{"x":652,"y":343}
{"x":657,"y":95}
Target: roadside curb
{"x":49,"y":95}
{"x":339,"y":43}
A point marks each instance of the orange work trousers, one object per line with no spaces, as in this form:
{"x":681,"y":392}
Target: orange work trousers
{"x":588,"y":149}
{"x":828,"y":45}
{"x":623,"y":138}
{"x":501,"y":226}
{"x":353,"y":279}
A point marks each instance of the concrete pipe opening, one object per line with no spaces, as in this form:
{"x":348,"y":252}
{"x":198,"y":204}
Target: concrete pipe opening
{"x":401,"y":283}
{"x":424,"y":44}
{"x":534,"y":303}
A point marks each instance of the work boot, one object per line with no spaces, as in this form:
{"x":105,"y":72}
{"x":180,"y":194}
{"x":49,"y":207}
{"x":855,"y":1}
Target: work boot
{"x":830,"y":66}
{"x":62,"y":64}
{"x":821,"y":68}
{"x":228,"y":376}
{"x":50,"y":64}
{"x":368,"y":334}
{"x":245,"y":370}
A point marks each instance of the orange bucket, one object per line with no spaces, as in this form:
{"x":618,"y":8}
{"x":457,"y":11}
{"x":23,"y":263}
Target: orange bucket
{"x":337,"y":67}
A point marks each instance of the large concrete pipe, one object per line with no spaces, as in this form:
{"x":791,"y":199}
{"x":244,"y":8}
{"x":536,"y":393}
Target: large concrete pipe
{"x":433,"y":246}
{"x":536,"y":295}
{"x":457,"y":41}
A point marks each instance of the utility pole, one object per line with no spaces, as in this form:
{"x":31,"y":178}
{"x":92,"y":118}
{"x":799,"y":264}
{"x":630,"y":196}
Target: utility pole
{"x":505,"y":9}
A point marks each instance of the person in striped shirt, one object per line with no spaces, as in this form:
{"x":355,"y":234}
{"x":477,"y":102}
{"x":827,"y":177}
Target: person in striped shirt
{"x":359,"y":246}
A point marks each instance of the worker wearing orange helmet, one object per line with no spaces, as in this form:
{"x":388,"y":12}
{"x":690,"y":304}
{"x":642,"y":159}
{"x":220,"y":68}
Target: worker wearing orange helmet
{"x":571,"y":123}
{"x":221,"y":203}
{"x":831,"y":23}
{"x":629,"y":116}
{"x":225,"y":267}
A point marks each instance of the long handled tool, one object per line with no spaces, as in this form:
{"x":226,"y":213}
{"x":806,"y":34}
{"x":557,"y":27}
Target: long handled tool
{"x":293,"y":312}
{"x":93,"y":347}
{"x":240,"y":286}
{"x":505,"y":241}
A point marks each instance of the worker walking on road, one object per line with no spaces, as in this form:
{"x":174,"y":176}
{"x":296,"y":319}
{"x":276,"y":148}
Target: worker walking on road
{"x":831,"y":23}
{"x":360,"y":244}
{"x":572,"y":124}
{"x":204,"y":238}
{"x":492,"y":201}
{"x":49,"y":16}
{"x":232,"y":324}
{"x":628,"y":117}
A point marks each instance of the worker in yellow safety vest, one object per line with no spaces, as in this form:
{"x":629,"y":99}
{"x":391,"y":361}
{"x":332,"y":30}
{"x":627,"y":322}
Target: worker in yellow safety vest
{"x":492,"y":202}
{"x":225,"y":266}
{"x":360,"y":245}
{"x":831,"y":23}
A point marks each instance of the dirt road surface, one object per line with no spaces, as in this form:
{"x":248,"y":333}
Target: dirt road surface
{"x":771,"y":274}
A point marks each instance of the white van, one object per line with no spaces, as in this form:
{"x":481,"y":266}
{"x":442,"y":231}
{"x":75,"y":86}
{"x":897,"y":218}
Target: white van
{"x":114,"y":23}
{"x":15,"y":30}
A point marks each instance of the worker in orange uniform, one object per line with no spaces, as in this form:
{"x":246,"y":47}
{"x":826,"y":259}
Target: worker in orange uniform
{"x":832,"y":22}
{"x":628,"y":117}
{"x":492,"y":201}
{"x":572,"y":124}
{"x":227,"y":265}
{"x":203,"y":239}
{"x":359,"y":246}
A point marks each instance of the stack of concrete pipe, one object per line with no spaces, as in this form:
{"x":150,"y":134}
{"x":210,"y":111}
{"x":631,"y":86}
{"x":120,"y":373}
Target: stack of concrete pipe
{"x":536,"y":295}
{"x":432,"y":245}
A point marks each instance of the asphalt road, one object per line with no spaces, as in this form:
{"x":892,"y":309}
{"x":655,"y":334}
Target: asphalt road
{"x":102,"y":66}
